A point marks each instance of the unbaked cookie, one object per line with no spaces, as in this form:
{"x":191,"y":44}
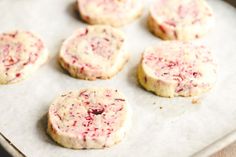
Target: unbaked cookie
{"x":94,"y":52}
{"x":173,"y":68}
{"x":180,"y":19}
{"x":21,"y":54}
{"x":89,"y":118}
{"x":110,"y":12}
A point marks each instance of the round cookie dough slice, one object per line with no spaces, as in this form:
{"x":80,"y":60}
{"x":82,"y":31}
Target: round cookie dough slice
{"x":175,"y":68}
{"x":89,"y":118}
{"x":21,"y":53}
{"x":180,"y":19}
{"x":94,"y":52}
{"x":110,"y":12}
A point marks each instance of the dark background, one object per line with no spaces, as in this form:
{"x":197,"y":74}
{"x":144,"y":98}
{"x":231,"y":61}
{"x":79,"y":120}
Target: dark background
{"x":3,"y":153}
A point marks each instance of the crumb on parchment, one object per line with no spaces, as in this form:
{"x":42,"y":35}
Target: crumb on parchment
{"x":196,"y":101}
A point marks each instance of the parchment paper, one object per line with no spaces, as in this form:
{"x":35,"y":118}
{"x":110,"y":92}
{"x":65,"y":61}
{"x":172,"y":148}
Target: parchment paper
{"x":161,"y":127}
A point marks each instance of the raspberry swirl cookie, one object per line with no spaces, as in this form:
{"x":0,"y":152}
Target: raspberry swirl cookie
{"x":110,"y":12}
{"x":175,"y":68}
{"x":89,"y":118}
{"x":21,"y":54}
{"x":180,"y":19}
{"x":94,"y":52}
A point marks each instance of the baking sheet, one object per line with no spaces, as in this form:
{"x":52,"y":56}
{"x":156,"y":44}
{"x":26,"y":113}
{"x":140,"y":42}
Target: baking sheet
{"x":161,"y":126}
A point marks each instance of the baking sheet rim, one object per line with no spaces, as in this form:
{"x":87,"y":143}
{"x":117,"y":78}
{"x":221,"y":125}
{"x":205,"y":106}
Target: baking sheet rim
{"x":207,"y":151}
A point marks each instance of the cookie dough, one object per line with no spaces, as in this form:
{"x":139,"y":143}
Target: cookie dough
{"x":110,"y":12}
{"x":89,"y":118}
{"x":21,"y":54}
{"x":175,"y":68}
{"x":180,"y":19}
{"x":94,"y":52}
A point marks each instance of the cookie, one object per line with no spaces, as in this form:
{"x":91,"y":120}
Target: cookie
{"x":89,"y":118}
{"x":94,"y":52}
{"x":109,"y":12}
{"x":180,"y":19}
{"x":175,"y":68}
{"x":21,"y":54}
